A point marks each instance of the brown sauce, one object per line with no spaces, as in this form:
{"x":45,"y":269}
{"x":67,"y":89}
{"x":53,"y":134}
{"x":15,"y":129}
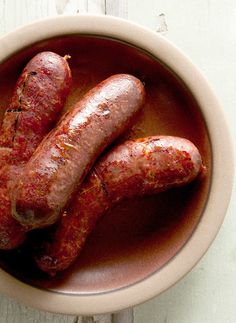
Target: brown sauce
{"x":137,"y":237}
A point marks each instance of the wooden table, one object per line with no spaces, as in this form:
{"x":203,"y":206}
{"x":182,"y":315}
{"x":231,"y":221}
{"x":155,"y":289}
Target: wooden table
{"x":206,"y":31}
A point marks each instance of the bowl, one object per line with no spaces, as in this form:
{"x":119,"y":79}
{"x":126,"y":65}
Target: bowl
{"x":144,"y":246}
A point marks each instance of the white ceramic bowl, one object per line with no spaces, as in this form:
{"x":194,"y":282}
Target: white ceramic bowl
{"x":222,"y":170}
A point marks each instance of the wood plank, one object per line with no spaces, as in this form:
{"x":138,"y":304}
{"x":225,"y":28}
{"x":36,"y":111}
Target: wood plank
{"x":15,"y":13}
{"x":95,"y":319}
{"x":117,"y":8}
{"x":205,"y":31}
{"x":13,"y":312}
{"x":125,"y":316}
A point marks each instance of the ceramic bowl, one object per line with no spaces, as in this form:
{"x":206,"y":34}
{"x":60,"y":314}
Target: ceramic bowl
{"x":144,"y":246}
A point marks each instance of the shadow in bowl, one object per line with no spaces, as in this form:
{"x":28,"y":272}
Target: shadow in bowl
{"x":137,"y":237}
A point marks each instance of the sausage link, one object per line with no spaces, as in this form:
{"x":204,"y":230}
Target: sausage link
{"x":134,"y":168}
{"x":12,"y":234}
{"x":39,"y":96}
{"x":63,"y":159}
{"x":37,"y":100}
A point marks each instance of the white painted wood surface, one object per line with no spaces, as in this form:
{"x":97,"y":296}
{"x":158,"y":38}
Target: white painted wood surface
{"x":206,"y":31}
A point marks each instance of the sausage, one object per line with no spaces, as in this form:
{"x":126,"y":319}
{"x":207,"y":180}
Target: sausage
{"x":134,"y":168}
{"x":12,"y":234}
{"x":37,"y":100}
{"x":63,"y":159}
{"x":38,"y":97}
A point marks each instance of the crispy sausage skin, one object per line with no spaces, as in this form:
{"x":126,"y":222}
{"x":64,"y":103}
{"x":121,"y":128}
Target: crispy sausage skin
{"x":134,"y":168}
{"x":38,"y":97}
{"x":62,"y":160}
{"x":37,"y":100}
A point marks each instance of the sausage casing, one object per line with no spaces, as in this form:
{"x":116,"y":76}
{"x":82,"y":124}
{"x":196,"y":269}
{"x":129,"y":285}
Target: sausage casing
{"x":37,"y":100}
{"x":134,"y":168}
{"x":63,"y":159}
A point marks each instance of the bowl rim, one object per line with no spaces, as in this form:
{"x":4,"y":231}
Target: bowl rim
{"x":222,"y":174}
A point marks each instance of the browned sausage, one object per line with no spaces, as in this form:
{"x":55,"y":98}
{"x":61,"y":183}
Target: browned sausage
{"x":12,"y":234}
{"x":39,"y":96}
{"x":134,"y":168}
{"x":63,"y":159}
{"x":37,"y":100}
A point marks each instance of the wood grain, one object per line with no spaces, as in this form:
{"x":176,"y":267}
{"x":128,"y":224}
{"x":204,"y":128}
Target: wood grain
{"x":205,"y":31}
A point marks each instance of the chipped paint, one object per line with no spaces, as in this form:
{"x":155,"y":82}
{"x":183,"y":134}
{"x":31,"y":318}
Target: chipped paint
{"x":162,"y":26}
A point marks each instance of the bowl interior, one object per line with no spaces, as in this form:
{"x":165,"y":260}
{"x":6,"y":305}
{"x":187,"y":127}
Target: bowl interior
{"x":139,"y":236}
